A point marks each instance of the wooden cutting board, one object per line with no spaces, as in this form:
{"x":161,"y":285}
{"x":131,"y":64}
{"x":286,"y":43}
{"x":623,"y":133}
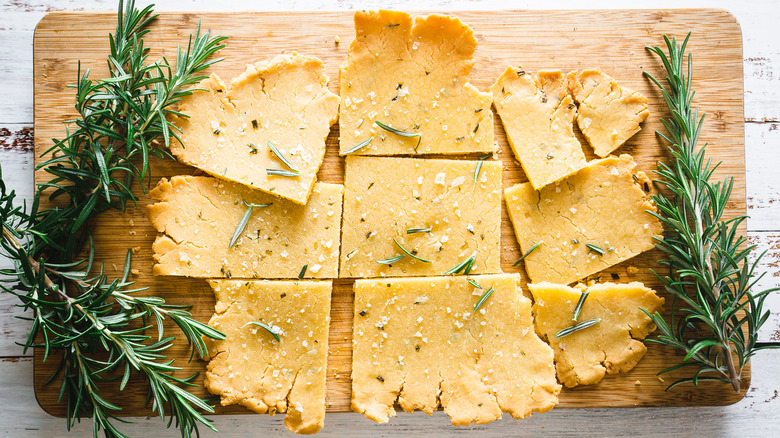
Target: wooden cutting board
{"x":613,"y":40}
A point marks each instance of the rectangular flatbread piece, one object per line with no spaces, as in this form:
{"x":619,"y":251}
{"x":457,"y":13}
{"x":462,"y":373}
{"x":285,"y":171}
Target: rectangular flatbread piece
{"x":412,"y":74}
{"x":419,"y":342}
{"x":198,"y":216}
{"x":254,"y":369}
{"x":433,"y":208}
{"x":587,"y":222}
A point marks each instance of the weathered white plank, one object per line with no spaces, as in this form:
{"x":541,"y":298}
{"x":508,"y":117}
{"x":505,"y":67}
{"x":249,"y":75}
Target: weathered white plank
{"x":762,"y":158}
{"x":23,"y":418}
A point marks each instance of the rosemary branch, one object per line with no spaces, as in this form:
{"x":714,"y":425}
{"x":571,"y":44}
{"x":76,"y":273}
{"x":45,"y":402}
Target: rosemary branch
{"x":97,"y":326}
{"x":715,"y":315}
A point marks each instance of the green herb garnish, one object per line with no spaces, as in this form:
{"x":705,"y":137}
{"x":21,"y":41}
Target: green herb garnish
{"x":474,"y":283}
{"x":414,"y":256}
{"x":580,"y":302}
{"x":303,"y":271}
{"x":359,"y":146}
{"x":711,"y":266}
{"x":463,"y":265}
{"x":244,"y":220}
{"x":533,"y":247}
{"x":418,"y":230}
{"x":282,"y":172}
{"x":595,"y":249}
{"x":399,"y":132}
{"x":282,"y":158}
{"x":479,"y":165}
{"x":252,"y":148}
{"x":267,"y":328}
{"x":577,"y":327}
{"x":390,"y":260}
{"x":483,"y":298}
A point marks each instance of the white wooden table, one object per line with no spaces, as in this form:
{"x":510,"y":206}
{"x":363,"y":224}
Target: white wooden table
{"x":755,"y":415}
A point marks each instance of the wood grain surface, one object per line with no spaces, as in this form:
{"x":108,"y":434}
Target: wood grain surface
{"x":611,"y":40}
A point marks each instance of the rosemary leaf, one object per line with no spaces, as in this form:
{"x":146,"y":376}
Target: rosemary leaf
{"x":390,"y":260}
{"x":474,"y":283}
{"x":282,"y":172}
{"x":479,"y":165}
{"x":244,"y":220}
{"x":533,"y":247}
{"x":267,"y":328}
{"x":577,"y":327}
{"x":483,"y":298}
{"x":462,"y":265}
{"x":303,"y":271}
{"x":282,"y":158}
{"x":580,"y":302}
{"x":399,"y":132}
{"x":358,"y":146}
{"x":418,"y":230}
{"x":409,"y":253}
{"x":595,"y":249}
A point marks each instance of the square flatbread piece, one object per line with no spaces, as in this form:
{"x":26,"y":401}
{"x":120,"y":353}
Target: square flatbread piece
{"x":198,"y":216}
{"x":610,"y":346}
{"x":419,"y":342}
{"x":284,"y":102}
{"x":251,"y":368}
{"x":433,"y":208}
{"x":592,"y":220}
{"x":412,"y":75}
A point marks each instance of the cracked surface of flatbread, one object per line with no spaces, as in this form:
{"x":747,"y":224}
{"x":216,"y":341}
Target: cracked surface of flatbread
{"x":386,"y":196}
{"x":419,"y":342}
{"x":253,"y":369}
{"x":538,"y":113}
{"x":284,"y":101}
{"x":601,"y":205}
{"x":412,"y":74}
{"x":198,"y":215}
{"x":609,"y":114}
{"x":610,"y":346}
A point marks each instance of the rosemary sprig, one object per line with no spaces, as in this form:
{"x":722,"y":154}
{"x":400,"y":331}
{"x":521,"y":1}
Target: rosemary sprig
{"x":527,"y":253}
{"x":390,"y":260}
{"x":577,"y":327}
{"x":715,"y":315}
{"x":267,"y":328}
{"x":465,"y":265}
{"x":412,"y":255}
{"x":580,"y":303}
{"x":418,"y":230}
{"x":483,"y":298}
{"x":400,"y":133}
{"x":358,"y":146}
{"x":244,"y":220}
{"x":282,"y":158}
{"x":95,"y":326}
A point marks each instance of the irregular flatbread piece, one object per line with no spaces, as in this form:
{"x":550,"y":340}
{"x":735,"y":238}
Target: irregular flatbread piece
{"x":587,"y":222}
{"x":251,"y":368}
{"x":610,"y":346}
{"x":538,"y":116}
{"x":199,"y":215}
{"x":413,"y":76}
{"x":387,"y":198}
{"x":418,"y":341}
{"x":284,"y":101}
{"x":609,"y":114}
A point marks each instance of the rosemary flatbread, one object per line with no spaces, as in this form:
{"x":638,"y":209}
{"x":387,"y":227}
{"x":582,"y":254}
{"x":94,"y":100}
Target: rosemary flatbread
{"x":538,"y":116}
{"x":585,"y":223}
{"x":433,"y":209}
{"x":412,"y":75}
{"x":267,"y":130}
{"x":612,"y":345}
{"x":253,"y":368}
{"x":609,"y":114}
{"x":421,"y":343}
{"x":198,"y":217}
